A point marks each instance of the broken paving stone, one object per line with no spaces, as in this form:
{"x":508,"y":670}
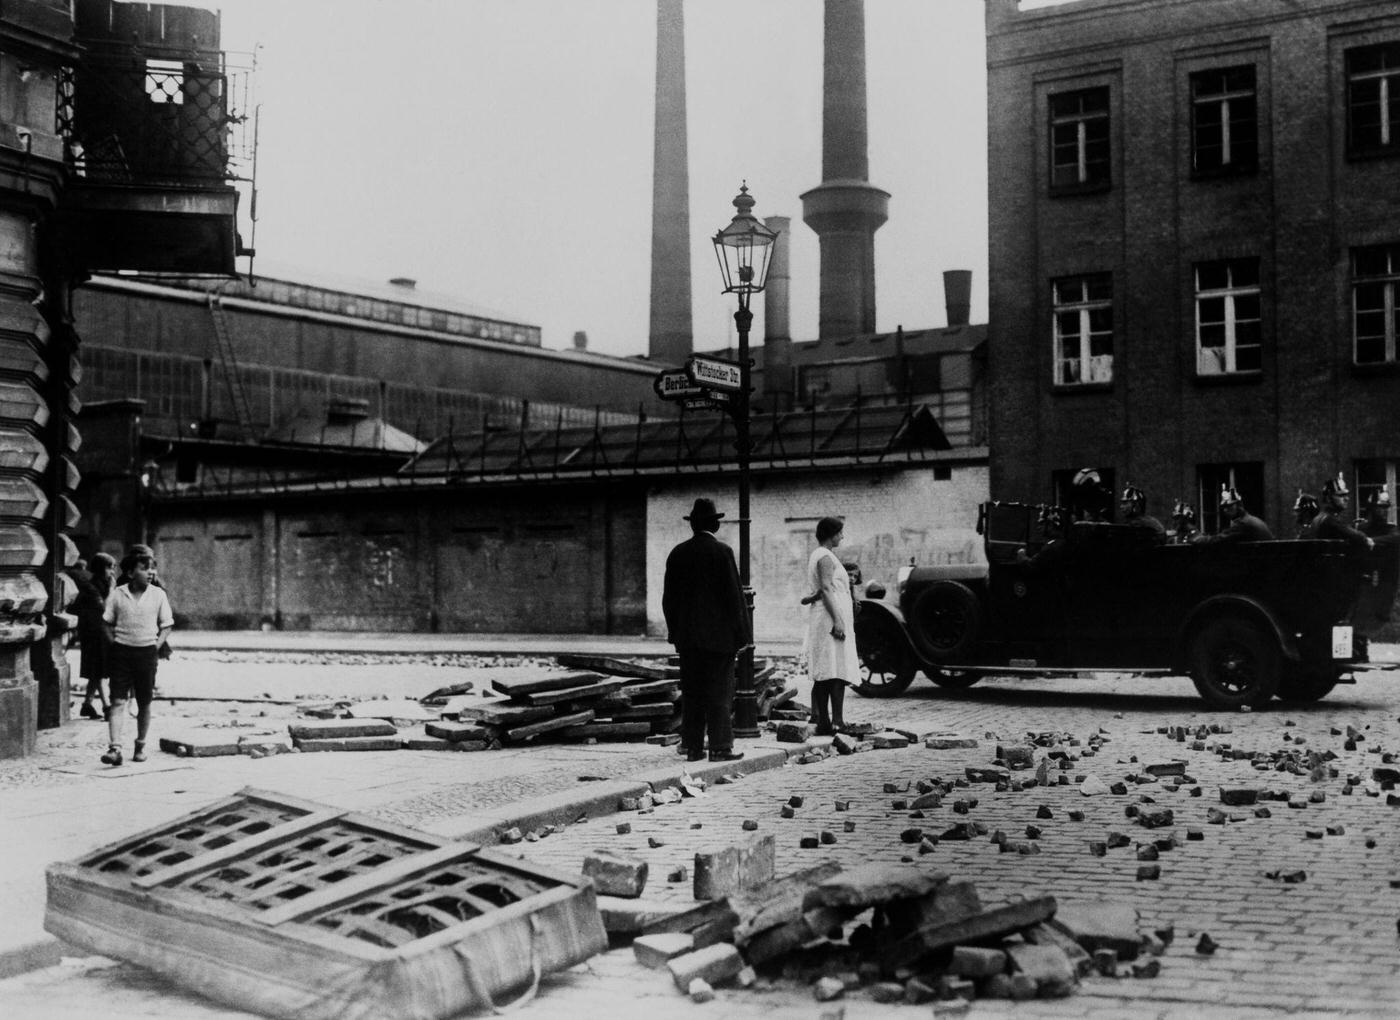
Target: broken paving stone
{"x":1105,"y":962}
{"x":848,"y":825}
{"x":678,"y":874}
{"x":1118,"y":788}
{"x":750,"y":825}
{"x":911,"y":835}
{"x":928,"y":800}
{"x":1117,"y":839}
{"x":1149,"y":872}
{"x":1206,"y":946}
{"x":827,"y":837}
{"x":917,"y":992}
{"x":795,"y":801}
{"x":948,"y":741}
{"x":1092,"y":786}
{"x":1287,"y":877}
{"x":1263,"y":812}
{"x":1076,"y":816}
{"x":714,"y":964}
{"x":1239,"y":796}
{"x":1106,"y":924}
{"x":889,"y":740}
{"x":746,"y":865}
{"x":1194,"y":834}
{"x":1317,"y":797}
{"x":1156,"y":819}
{"x":1047,"y":965}
{"x":616,"y":874}
{"x":786,"y":811}
{"x":987,"y":775}
{"x":1033,"y":831}
{"x":1150,"y":969}
{"x":874,"y":884}
{"x":512,"y":835}
{"x":795,"y":732}
{"x":1098,"y":848}
{"x":976,"y":962}
{"x":887,"y":991}
{"x":1147,"y":852}
{"x":1313,"y":833}
{"x":1166,"y":768}
{"x":961,"y":831}
{"x":808,"y":843}
{"x":1044,"y":812}
{"x":700,"y":991}
{"x":624,"y":828}
{"x":843,"y":805}
{"x":655,"y":951}
{"x":828,"y":988}
{"x":1336,"y":830}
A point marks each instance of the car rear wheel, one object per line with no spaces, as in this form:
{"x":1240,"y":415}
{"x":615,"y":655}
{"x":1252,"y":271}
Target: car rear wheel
{"x":946,"y":622}
{"x":1307,"y":683}
{"x":887,"y":665}
{"x":1235,"y":662}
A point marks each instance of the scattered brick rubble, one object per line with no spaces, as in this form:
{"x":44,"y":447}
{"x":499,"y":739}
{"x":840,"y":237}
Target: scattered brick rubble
{"x":896,"y":933}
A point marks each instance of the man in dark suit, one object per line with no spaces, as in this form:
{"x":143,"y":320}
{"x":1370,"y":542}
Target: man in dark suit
{"x":1243,"y":526}
{"x":708,"y":622}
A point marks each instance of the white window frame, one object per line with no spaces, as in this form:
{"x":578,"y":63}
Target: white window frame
{"x":1391,"y":468}
{"x":1222,"y":100}
{"x":1389,"y":80}
{"x":1390,"y":284}
{"x":1092,"y":368}
{"x":1080,"y":120}
{"x":1209,"y":363}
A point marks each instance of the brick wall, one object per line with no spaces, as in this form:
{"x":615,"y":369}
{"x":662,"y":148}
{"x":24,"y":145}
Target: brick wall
{"x":1309,"y":413}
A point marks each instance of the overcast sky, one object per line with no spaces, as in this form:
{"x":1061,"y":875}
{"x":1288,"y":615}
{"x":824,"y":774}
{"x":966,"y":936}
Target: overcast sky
{"x":501,"y":150}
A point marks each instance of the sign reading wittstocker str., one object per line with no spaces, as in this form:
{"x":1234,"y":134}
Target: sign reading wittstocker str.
{"x":714,"y":373}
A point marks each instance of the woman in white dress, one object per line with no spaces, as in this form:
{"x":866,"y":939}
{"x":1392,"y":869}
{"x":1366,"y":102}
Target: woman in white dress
{"x":832,"y":662}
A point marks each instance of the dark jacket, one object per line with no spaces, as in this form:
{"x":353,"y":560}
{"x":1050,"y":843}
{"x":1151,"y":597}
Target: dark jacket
{"x":1244,"y":528}
{"x":1328,"y":525}
{"x":1148,"y":523}
{"x":702,"y":599}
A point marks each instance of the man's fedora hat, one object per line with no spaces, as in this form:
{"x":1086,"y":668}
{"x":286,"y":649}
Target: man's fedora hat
{"x":704,"y":510}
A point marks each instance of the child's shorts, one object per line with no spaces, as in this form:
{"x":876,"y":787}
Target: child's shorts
{"x":133,"y":673}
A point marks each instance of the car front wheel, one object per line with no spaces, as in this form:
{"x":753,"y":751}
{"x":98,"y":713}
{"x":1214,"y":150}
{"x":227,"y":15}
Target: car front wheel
{"x":887,"y":665}
{"x":1235,"y":662}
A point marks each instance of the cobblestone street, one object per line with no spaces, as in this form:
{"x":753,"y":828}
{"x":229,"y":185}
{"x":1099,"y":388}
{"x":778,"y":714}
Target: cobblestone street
{"x":1324,"y":946}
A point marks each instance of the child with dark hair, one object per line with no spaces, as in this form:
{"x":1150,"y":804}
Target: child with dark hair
{"x":138,"y":618}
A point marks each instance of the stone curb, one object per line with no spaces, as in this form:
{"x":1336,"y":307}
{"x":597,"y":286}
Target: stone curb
{"x":600,"y":799}
{"x":594,"y":799}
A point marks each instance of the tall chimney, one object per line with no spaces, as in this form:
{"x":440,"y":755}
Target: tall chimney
{"x":777,"y":333}
{"x":845,"y":209}
{"x":671,"y":337}
{"x":957,"y":295}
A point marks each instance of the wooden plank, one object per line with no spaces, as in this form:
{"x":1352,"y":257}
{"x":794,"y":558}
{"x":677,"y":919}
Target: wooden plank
{"x":664,"y":710}
{"x":600,"y":689}
{"x":359,"y":885}
{"x":238,"y":848}
{"x":505,"y":713}
{"x":617,"y":667}
{"x":601,"y":730}
{"x":514,"y":687}
{"x":988,"y":924}
{"x":557,"y":723}
{"x":652,"y":689}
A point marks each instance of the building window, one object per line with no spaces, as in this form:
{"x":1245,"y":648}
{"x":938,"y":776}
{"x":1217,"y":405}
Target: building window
{"x":1375,"y":308}
{"x":1079,"y":142}
{"x":1246,"y":479}
{"x":1373,"y":99}
{"x":1224,"y":121}
{"x":1227,"y":317}
{"x":1083,"y":329}
{"x":1371,"y":477}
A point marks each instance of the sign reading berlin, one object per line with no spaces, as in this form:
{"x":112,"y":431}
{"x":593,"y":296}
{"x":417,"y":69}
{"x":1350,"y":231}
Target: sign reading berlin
{"x":675,"y":384}
{"x":714,"y":372}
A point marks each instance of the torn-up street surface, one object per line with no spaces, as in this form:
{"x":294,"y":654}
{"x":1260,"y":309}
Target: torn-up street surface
{"x":1093,"y":847}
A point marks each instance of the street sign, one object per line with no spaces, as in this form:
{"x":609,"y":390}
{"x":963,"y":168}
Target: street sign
{"x":713,"y":401}
{"x":715,"y":373}
{"x":675,"y":384}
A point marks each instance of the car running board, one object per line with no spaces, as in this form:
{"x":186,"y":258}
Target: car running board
{"x":1052,"y":671}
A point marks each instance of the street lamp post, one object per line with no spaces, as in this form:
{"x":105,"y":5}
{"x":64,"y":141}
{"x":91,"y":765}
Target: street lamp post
{"x":743,"y":249}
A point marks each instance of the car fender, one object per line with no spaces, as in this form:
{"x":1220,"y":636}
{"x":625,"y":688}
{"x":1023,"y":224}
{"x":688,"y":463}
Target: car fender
{"x":1242,"y":605}
{"x":877,"y":608}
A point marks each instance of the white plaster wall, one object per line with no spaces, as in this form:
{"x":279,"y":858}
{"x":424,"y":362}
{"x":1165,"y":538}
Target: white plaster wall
{"x":891,"y":517}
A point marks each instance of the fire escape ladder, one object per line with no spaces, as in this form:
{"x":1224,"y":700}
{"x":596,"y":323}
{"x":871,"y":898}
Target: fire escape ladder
{"x":228,"y":362}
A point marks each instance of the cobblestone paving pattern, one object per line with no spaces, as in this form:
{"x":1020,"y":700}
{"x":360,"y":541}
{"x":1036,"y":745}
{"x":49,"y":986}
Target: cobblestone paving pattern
{"x":1324,"y":947}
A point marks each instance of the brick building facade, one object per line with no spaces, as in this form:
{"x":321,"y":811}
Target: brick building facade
{"x":1195,"y":247}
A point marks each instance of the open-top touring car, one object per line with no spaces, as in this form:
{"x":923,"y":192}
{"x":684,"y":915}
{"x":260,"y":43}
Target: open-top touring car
{"x":1246,"y":621}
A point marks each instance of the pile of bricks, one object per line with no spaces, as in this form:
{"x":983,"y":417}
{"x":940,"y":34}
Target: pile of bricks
{"x":889,"y":932}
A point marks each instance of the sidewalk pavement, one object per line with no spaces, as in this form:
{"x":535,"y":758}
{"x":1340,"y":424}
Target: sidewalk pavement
{"x":622,"y":645}
{"x":62,"y":803}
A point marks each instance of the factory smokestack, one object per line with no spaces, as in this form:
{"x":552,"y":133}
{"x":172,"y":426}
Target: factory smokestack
{"x":671,"y":336}
{"x":845,"y":210}
{"x":777,"y":333}
{"x":957,"y":295}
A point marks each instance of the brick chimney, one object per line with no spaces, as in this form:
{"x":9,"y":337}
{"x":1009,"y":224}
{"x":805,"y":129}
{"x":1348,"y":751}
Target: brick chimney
{"x":845,"y":209}
{"x":670,"y":339}
{"x":957,"y":295}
